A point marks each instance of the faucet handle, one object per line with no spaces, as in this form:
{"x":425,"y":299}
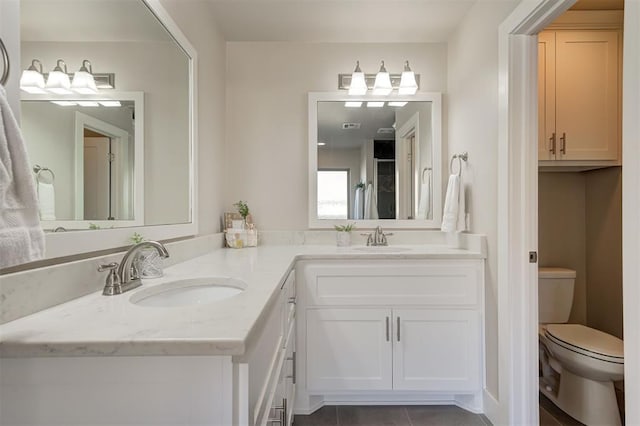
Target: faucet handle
{"x":112,"y":284}
{"x":369,"y":237}
{"x":108,"y":267}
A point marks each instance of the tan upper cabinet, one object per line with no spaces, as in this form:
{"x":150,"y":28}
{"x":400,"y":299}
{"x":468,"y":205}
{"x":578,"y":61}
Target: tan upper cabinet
{"x":579,"y":97}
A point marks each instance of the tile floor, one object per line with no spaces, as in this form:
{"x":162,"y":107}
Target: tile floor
{"x":418,"y":415}
{"x":412,"y":415}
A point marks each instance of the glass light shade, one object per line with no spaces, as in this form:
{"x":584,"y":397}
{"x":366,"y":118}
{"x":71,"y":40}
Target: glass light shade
{"x":408,"y":85}
{"x":32,"y":81}
{"x":358,"y":86}
{"x":58,"y":83}
{"x":382,"y":86}
{"x":84,"y":83}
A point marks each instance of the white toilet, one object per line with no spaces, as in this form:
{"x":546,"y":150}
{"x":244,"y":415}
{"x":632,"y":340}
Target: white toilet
{"x":579,"y":364}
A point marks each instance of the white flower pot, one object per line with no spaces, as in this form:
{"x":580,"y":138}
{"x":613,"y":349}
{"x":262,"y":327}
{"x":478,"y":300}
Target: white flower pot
{"x":343,"y":239}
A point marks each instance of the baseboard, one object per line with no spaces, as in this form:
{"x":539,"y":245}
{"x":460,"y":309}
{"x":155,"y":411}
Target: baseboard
{"x":491,"y":408}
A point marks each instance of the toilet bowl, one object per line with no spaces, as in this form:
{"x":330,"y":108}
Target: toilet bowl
{"x":579,"y":364}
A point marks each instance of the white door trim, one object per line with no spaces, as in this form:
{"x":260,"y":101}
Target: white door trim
{"x":517,"y":209}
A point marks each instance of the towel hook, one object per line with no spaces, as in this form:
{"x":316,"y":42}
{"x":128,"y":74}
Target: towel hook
{"x":5,"y":61}
{"x":461,"y":157}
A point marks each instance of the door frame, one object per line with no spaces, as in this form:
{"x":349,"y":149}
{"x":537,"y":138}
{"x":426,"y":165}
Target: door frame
{"x":517,"y":211}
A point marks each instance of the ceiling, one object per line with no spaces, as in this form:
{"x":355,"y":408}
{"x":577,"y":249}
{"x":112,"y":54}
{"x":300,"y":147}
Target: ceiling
{"x":364,"y":21}
{"x":89,"y":20}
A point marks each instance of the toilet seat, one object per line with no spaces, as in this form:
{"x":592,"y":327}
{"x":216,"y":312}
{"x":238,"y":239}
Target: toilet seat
{"x":587,"y":341}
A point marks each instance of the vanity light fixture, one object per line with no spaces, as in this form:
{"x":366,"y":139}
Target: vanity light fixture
{"x":382,"y":86}
{"x":408,"y":85}
{"x":110,"y":103}
{"x":83,"y":81}
{"x":397,"y":103}
{"x":32,"y":80}
{"x":358,"y":85}
{"x":353,"y":104}
{"x":375,"y":104}
{"x":58,"y":81}
{"x":64,"y":103}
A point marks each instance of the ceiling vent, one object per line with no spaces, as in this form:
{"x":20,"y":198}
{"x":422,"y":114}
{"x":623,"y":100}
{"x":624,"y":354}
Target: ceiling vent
{"x":350,"y":126}
{"x":386,"y":130}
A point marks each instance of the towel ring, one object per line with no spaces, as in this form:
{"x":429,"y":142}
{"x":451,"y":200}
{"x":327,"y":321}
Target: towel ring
{"x":37,"y":169}
{"x":461,"y":157}
{"x":5,"y":61}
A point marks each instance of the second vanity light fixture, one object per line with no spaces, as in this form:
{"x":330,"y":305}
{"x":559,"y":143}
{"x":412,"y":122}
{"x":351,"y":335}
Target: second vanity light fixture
{"x":381,"y":84}
{"x":59,"y":82}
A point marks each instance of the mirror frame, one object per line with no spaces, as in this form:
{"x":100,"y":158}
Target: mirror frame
{"x":60,"y":244}
{"x":436,"y":116}
{"x":138,"y":208}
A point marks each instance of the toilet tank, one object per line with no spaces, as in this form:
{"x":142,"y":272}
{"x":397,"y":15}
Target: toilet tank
{"x":555,"y":294}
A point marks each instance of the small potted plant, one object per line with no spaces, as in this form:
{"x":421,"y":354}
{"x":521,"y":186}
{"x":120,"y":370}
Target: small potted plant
{"x":148,"y":262}
{"x":343,"y":234}
{"x":243,"y":210}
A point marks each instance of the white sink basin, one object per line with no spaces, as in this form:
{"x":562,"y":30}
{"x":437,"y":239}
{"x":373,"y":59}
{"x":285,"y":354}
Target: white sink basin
{"x":189,"y":292}
{"x":381,"y":249}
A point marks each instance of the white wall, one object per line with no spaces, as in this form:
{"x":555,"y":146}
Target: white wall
{"x":159,"y":69}
{"x":472,"y":108}
{"x":198,"y":24}
{"x":267,"y":86}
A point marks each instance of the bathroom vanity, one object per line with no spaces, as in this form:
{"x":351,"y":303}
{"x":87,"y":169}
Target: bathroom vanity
{"x":314,"y":325}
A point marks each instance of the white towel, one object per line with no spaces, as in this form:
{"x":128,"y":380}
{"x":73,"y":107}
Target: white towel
{"x":21,"y":237}
{"x":47,"y":201}
{"x":453,"y":216}
{"x":370,"y":205}
{"x":358,"y":204}
{"x":424,"y":203}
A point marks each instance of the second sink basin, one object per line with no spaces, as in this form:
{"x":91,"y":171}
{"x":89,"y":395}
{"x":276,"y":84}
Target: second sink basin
{"x":189,"y":292}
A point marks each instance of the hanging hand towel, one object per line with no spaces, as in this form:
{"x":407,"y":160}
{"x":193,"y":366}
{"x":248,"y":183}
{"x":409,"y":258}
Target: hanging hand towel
{"x":358,"y":204}
{"x":424,"y":202}
{"x":21,"y":237}
{"x":370,"y":205}
{"x":47,"y":201}
{"x":453,"y":216}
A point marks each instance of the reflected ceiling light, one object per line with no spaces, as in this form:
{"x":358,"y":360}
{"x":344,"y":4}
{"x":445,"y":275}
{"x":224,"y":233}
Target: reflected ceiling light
{"x":321,"y":144}
{"x":408,"y":85}
{"x":382,"y":86}
{"x":83,"y":81}
{"x":353,"y":104}
{"x":58,"y":81}
{"x":64,"y":103}
{"x":32,"y":80}
{"x":110,"y":103}
{"x":358,"y":84}
{"x":375,"y":104}
{"x":88,"y":103}
{"x":397,"y":103}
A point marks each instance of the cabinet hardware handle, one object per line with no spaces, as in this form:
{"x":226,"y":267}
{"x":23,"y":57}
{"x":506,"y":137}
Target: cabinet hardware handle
{"x":398,"y":333}
{"x":293,"y":366}
{"x":387,"y":329}
{"x":563,"y":146}
{"x":552,"y":139}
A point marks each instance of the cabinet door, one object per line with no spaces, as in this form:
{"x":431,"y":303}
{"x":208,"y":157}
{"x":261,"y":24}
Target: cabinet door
{"x":587,"y":95}
{"x":437,"y":350}
{"x":348,"y":349}
{"x":547,"y":138}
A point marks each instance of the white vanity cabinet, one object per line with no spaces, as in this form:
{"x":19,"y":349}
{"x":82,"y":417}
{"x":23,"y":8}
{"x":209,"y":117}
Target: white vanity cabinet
{"x":403,"y":331}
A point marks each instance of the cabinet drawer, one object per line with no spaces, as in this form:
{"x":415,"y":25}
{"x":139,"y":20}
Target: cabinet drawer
{"x":442,"y":283}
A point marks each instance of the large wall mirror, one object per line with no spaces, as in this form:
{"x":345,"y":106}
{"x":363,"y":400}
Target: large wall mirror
{"x":119,"y":161}
{"x":374,"y":160}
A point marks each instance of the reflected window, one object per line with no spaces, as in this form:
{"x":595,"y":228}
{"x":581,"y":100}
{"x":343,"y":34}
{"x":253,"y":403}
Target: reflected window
{"x":333,"y":194}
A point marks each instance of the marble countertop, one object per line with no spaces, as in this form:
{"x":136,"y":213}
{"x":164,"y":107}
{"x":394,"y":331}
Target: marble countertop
{"x":96,"y":325}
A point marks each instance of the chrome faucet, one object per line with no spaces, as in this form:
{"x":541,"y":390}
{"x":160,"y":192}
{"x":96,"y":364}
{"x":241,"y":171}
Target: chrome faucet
{"x":124,"y":277}
{"x":378,"y":238}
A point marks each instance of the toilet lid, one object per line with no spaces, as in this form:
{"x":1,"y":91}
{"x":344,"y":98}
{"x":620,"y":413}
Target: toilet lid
{"x":589,"y":340}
